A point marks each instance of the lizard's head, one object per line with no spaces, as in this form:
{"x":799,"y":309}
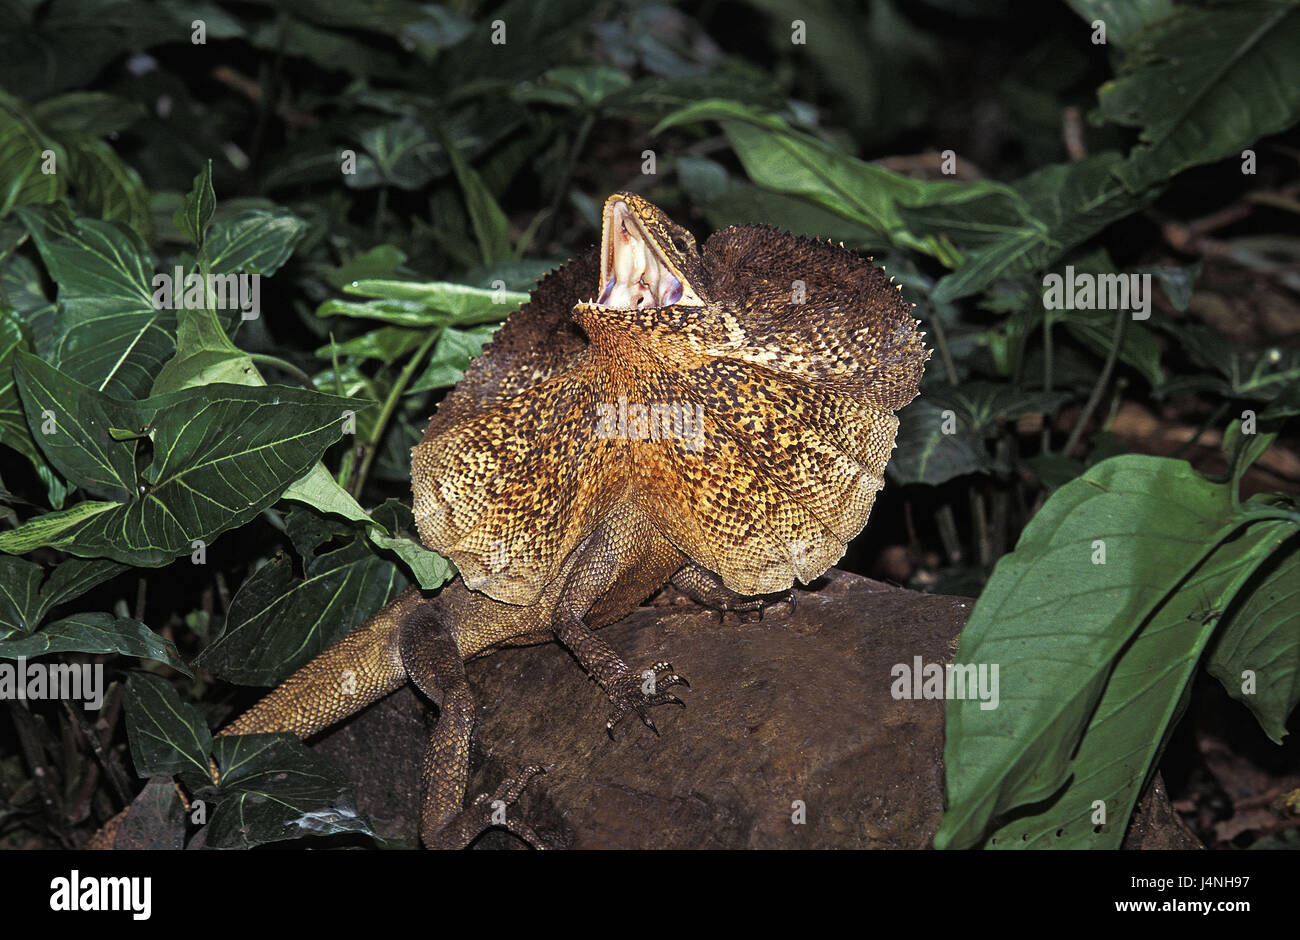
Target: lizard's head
{"x":646,"y":260}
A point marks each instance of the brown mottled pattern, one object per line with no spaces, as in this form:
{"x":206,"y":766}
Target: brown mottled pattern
{"x":797,"y":402}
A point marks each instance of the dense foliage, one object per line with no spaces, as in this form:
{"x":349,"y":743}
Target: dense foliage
{"x":212,"y":490}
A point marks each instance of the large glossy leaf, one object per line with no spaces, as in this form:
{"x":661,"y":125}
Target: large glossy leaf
{"x":95,"y":632}
{"x":167,"y":736}
{"x":257,"y":241}
{"x":781,"y":159}
{"x":273,"y":788}
{"x":21,"y":147}
{"x":278,"y":621}
{"x":26,"y":595}
{"x":1257,"y":657}
{"x":1144,"y":696}
{"x":220,"y":455}
{"x":13,"y":425}
{"x":112,"y":337}
{"x":1204,"y":84}
{"x":450,"y":357}
{"x":429,"y":568}
{"x":924,"y":453}
{"x":107,"y":188}
{"x":1066,"y":205}
{"x":1056,"y":617}
{"x":425,"y":303}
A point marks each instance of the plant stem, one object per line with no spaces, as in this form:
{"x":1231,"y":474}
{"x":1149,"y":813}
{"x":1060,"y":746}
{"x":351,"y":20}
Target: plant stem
{"x":1121,"y":321}
{"x":941,"y":341}
{"x":557,"y":200}
{"x":943,"y":517}
{"x":1047,"y":382}
{"x":276,"y":362}
{"x":390,"y":405}
{"x":1214,"y":418}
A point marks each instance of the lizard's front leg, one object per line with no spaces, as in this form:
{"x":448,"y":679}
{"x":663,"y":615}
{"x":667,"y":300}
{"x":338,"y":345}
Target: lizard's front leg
{"x":433,"y":662}
{"x":626,"y":688}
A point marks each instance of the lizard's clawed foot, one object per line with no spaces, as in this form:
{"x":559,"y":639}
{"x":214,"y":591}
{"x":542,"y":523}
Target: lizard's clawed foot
{"x":759,"y":608}
{"x":629,"y":693}
{"x":490,"y":811}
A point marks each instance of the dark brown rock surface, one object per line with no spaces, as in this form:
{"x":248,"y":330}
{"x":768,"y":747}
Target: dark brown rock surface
{"x":796,"y":707}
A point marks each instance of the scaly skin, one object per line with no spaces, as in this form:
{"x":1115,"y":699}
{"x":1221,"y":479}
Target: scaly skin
{"x":780,"y":361}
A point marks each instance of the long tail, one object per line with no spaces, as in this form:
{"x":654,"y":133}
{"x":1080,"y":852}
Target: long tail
{"x":359,"y":669}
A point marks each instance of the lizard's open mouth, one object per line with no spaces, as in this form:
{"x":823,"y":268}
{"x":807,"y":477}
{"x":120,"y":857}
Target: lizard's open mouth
{"x":634,"y":271}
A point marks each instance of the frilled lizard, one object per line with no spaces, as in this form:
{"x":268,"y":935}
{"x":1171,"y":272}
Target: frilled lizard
{"x":717,"y":419}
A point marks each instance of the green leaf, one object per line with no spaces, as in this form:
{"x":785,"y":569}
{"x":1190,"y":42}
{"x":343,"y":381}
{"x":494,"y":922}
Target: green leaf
{"x":96,"y":113}
{"x":491,"y":228}
{"x":1096,"y":330}
{"x":388,"y":344}
{"x":398,"y":312}
{"x":398,"y":153}
{"x":112,"y":337}
{"x":95,"y":633}
{"x":21,"y":147}
{"x":1144,"y":696}
{"x":220,"y":455}
{"x":106,"y":187}
{"x":1066,"y":205}
{"x":19,"y":589}
{"x":273,"y":788}
{"x":192,"y":218}
{"x":787,"y":161}
{"x":1205,"y":83}
{"x":167,"y":736}
{"x":53,"y":528}
{"x":461,"y":304}
{"x":72,"y":425}
{"x":984,"y":405}
{"x":322,"y":492}
{"x":379,"y":262}
{"x":1056,"y":621}
{"x":278,"y":621}
{"x":1123,"y":20}
{"x":257,"y":241}
{"x":1257,"y":656}
{"x":24,"y":600}
{"x":451,"y":356}
{"x":13,"y":424}
{"x":924,"y":453}
{"x":430,"y":569}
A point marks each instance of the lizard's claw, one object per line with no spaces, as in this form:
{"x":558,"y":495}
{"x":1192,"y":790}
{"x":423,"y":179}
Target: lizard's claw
{"x":628,"y":694}
{"x":759,"y":608}
{"x":478,"y":816}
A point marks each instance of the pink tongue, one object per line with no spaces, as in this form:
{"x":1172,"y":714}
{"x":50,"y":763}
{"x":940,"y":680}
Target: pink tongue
{"x":673,"y":294}
{"x":609,"y":287}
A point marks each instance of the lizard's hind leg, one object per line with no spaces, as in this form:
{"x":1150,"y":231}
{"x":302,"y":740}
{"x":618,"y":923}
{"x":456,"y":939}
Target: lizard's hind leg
{"x":433,"y":662}
{"x":705,"y":587}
